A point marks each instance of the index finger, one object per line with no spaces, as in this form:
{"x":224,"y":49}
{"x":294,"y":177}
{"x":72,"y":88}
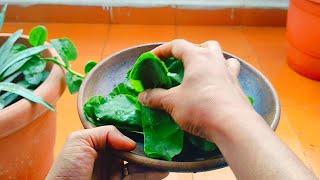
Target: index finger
{"x":176,"y":48}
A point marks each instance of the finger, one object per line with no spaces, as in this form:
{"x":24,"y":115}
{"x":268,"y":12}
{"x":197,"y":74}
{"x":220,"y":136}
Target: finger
{"x":101,"y":137}
{"x":213,"y":46}
{"x":234,"y":66}
{"x":147,"y":176}
{"x":82,"y":148}
{"x":154,"y":98}
{"x":176,"y":48}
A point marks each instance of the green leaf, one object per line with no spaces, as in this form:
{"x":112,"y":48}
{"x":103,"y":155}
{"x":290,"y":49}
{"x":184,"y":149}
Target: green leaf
{"x":65,"y":49}
{"x":124,"y":88}
{"x":89,"y":109}
{"x":175,"y":70}
{"x":7,"y":46}
{"x":149,"y":72}
{"x":45,"y":75}
{"x":26,"y":93}
{"x":121,"y":111}
{"x":17,"y":48}
{"x":21,"y":55}
{"x":34,"y":79}
{"x":38,"y":36}
{"x":251,"y":99}
{"x":163,"y":138}
{"x":9,"y":97}
{"x":35,"y":65}
{"x":15,"y":67}
{"x":3,"y":15}
{"x":33,"y":70}
{"x":73,"y":82}
{"x":12,"y":77}
{"x":2,"y":104}
{"x":201,"y":143}
{"x":90,"y":65}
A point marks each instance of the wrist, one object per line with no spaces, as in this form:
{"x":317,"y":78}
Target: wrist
{"x":235,"y":125}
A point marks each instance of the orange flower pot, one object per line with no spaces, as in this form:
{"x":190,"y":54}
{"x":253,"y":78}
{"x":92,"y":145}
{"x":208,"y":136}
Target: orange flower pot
{"x":303,"y":33}
{"x":304,"y":64}
{"x":27,"y":130}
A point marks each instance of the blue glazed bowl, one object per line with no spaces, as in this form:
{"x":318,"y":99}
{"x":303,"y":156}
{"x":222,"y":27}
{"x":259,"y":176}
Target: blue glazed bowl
{"x":112,"y":71}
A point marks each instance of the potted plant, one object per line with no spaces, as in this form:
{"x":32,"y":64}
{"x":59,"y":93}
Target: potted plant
{"x":31,"y":81}
{"x":303,"y":27}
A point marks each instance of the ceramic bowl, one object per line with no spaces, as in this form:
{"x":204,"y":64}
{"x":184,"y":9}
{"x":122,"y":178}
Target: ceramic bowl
{"x":112,"y":71}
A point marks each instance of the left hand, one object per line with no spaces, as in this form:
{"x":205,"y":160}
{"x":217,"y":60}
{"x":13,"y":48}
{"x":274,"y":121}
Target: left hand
{"x":86,"y":155}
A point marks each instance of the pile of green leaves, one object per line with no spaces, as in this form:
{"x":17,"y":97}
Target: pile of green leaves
{"x":23,"y":67}
{"x":163,"y":138}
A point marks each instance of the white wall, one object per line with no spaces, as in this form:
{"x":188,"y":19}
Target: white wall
{"x":190,"y":4}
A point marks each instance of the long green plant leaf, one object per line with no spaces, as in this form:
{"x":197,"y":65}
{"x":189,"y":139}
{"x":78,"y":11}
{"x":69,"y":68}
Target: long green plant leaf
{"x":15,"y":67}
{"x":6,"y":47}
{"x":21,"y":55}
{"x":1,"y":104}
{"x":26,"y":93}
{"x":9,"y":97}
{"x":12,"y":77}
{"x":3,"y":15}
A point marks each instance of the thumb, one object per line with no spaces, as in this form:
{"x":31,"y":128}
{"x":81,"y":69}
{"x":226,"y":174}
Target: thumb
{"x":80,"y":152}
{"x":154,"y":98}
{"x":101,"y":137}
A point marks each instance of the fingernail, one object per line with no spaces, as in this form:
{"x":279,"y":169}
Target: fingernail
{"x":128,"y":140}
{"x":143,"y":97}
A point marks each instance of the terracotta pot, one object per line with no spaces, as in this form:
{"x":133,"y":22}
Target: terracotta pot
{"x":27,"y":130}
{"x":303,"y":27}
{"x":304,"y":64}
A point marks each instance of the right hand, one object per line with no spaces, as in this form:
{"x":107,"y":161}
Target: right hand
{"x":210,"y":96}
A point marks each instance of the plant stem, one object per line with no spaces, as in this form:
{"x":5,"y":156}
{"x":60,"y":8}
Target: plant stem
{"x":54,"y":60}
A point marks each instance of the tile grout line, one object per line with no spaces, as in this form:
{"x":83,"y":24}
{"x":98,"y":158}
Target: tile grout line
{"x":306,"y":158}
{"x":242,"y":27}
{"x":105,"y":42}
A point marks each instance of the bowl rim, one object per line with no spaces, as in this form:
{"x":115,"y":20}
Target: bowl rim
{"x":194,"y":166}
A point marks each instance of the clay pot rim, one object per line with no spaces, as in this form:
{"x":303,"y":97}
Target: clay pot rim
{"x":315,"y":1}
{"x":308,"y":6}
{"x":15,"y":116}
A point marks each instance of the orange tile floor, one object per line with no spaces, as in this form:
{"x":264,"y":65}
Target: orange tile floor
{"x":263,"y":47}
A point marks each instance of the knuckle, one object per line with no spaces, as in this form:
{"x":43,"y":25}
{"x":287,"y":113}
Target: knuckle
{"x":233,"y":63}
{"x":165,"y":104}
{"x":213,"y":43}
{"x":112,"y":128}
{"x":236,"y":62}
{"x":169,"y":100}
{"x":75,"y":135}
{"x":151,"y":97}
{"x":206,"y":52}
{"x":178,"y":41}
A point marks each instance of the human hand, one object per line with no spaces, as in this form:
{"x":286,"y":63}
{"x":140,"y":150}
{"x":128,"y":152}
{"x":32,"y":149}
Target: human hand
{"x":210,"y":96}
{"x":210,"y":103}
{"x":86,"y":155}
